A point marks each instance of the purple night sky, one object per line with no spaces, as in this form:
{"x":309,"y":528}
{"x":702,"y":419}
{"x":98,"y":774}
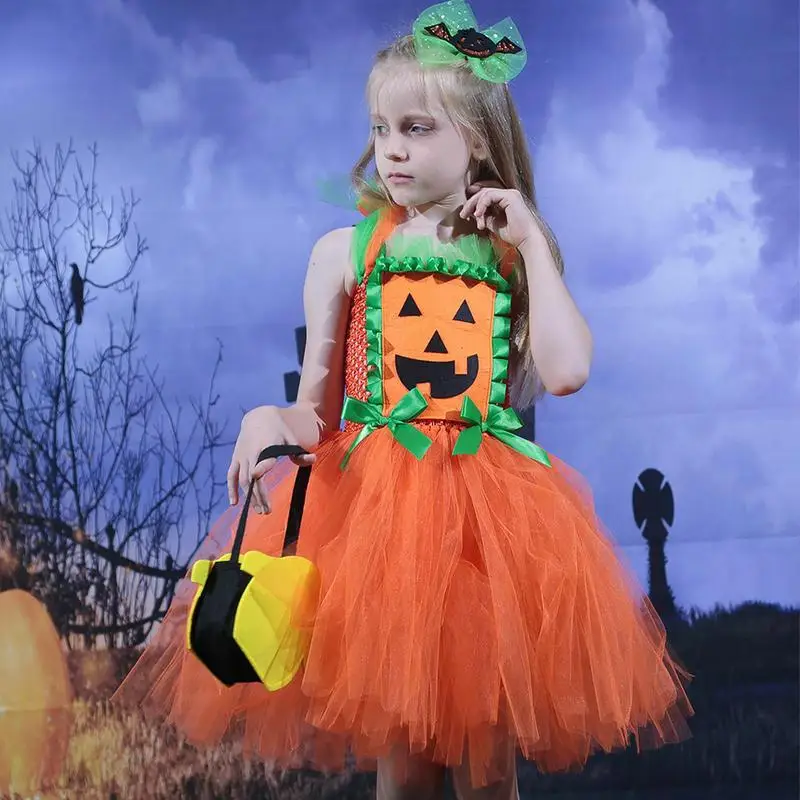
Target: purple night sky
{"x":665,"y":136}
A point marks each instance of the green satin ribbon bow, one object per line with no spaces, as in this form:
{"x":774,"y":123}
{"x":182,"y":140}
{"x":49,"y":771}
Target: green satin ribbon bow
{"x":448,"y":32}
{"x":500,"y":423}
{"x":408,"y":407}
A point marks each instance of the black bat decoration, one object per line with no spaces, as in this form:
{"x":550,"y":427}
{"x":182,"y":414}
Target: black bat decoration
{"x":473,"y":43}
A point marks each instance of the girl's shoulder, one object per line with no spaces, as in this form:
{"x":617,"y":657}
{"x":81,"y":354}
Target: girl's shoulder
{"x":334,"y":242}
{"x":331,"y":258}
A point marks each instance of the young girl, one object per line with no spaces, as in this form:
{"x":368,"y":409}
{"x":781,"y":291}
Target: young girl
{"x":471,"y":605}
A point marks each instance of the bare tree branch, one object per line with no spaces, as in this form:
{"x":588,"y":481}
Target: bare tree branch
{"x":108,"y":554}
{"x":90,"y":438}
{"x":105,"y":630}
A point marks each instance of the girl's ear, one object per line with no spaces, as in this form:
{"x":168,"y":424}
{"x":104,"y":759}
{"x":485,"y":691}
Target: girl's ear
{"x":479,"y":151}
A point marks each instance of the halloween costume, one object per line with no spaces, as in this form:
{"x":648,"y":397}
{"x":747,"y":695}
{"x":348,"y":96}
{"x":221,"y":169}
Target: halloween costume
{"x":468,"y":595}
{"x":468,"y":592}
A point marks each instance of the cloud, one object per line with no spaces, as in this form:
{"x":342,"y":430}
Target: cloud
{"x":665,"y":249}
{"x":734,"y":85}
{"x":668,"y":252}
{"x":777,"y":284}
{"x":201,"y":169}
{"x":161,"y":104}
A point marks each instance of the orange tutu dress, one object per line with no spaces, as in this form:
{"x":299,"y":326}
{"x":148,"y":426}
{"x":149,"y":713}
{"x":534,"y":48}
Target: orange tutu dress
{"x":469,"y":596}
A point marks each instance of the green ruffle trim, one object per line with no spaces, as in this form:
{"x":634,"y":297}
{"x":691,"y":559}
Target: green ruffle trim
{"x":453,"y":269}
{"x":471,"y":257}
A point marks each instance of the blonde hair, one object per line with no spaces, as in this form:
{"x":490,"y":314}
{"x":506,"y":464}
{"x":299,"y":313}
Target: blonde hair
{"x":486,"y":112}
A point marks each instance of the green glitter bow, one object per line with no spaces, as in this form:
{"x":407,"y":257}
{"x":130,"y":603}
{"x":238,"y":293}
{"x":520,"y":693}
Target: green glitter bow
{"x":448,"y":32}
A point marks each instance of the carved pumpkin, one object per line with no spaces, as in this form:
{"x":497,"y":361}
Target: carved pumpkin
{"x":437,"y":336}
{"x":35,"y":696}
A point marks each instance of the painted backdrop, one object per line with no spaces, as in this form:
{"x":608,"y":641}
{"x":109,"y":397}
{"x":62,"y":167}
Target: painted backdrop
{"x":665,"y":134}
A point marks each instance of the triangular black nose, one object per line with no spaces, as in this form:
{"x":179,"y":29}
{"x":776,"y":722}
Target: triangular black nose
{"x":436,"y":345}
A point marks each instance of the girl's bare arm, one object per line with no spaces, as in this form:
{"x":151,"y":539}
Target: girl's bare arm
{"x":326,"y":298}
{"x":561,"y":340}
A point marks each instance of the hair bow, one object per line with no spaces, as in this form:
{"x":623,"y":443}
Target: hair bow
{"x":448,"y":32}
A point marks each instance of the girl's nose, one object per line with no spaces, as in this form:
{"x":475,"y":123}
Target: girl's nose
{"x":394,"y":148}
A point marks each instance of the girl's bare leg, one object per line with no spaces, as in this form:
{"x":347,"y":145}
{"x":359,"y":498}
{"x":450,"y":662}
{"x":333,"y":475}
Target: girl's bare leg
{"x":405,"y":777}
{"x":503,"y":789}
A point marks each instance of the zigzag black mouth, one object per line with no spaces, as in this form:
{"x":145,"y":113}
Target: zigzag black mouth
{"x":440,"y":375}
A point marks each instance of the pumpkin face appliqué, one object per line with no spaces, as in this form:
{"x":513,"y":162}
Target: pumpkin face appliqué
{"x":437,"y":337}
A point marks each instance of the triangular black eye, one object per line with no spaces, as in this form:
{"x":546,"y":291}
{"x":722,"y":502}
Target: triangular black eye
{"x":464,"y":314}
{"x":410,"y":308}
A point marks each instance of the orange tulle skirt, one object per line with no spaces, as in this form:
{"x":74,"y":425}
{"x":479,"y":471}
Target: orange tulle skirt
{"x":466,"y":602}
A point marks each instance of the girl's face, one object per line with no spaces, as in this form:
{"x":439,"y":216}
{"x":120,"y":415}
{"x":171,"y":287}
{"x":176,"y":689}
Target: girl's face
{"x":421,"y":156}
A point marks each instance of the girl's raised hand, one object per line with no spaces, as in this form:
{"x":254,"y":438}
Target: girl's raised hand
{"x":502,"y":211}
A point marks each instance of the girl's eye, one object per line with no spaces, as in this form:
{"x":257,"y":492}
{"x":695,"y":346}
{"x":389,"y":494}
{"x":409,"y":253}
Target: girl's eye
{"x":381,"y":130}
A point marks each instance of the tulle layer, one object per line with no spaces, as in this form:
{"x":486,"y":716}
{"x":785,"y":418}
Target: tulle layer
{"x":466,"y":603}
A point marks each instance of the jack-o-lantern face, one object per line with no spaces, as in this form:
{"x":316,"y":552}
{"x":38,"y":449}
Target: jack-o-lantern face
{"x":437,"y":336}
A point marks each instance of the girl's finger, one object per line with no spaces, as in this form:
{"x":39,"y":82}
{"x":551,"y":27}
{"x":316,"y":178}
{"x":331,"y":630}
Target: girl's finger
{"x":258,"y":497}
{"x":491,"y":196}
{"x":233,"y":480}
{"x":480,"y":211}
{"x":474,"y":188}
{"x":468,"y":207}
{"x":304,"y":461}
{"x":259,"y":493}
{"x":262,"y":468}
{"x":478,"y":185}
{"x":484,"y":199}
{"x":244,"y":476}
{"x":261,"y":498}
